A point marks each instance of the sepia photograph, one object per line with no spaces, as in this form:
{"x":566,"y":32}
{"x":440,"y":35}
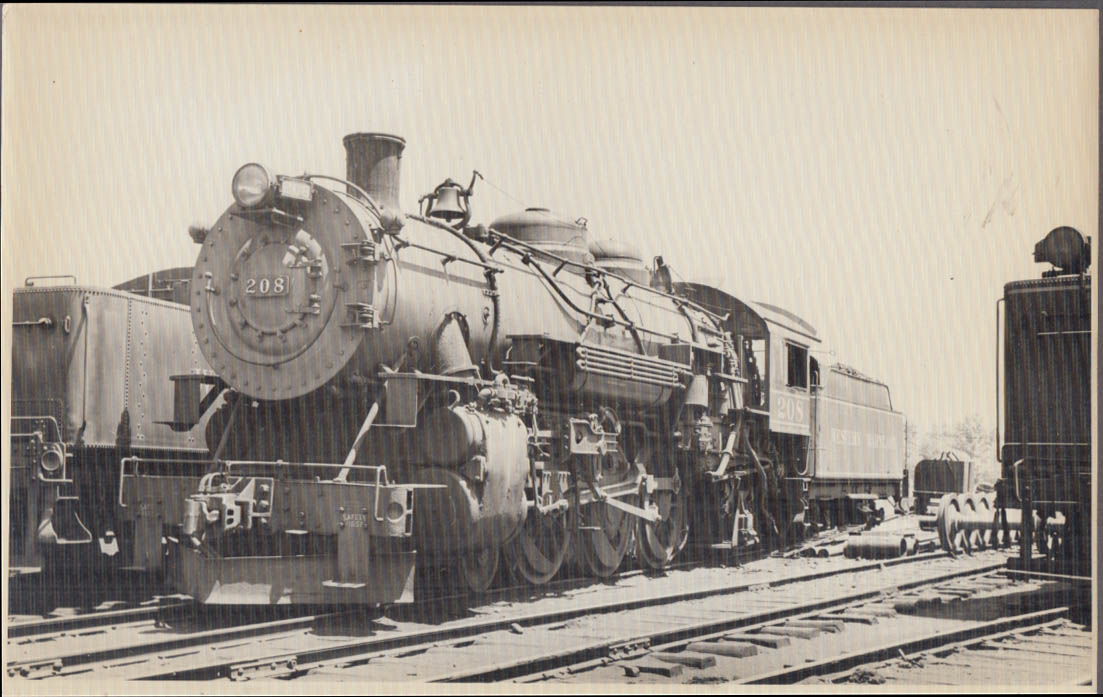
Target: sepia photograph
{"x":443,"y":348}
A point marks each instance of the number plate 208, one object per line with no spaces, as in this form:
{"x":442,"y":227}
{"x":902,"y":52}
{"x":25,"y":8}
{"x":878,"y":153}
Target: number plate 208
{"x":277,"y":285}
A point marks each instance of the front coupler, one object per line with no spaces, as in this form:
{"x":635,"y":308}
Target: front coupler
{"x":253,"y":534}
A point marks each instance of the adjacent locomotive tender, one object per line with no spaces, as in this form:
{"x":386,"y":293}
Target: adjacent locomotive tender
{"x":89,"y":372}
{"x":1046,"y":453}
{"x":393,"y":391}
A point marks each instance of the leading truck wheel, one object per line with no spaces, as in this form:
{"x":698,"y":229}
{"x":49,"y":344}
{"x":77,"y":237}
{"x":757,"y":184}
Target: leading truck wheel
{"x":657,"y":544}
{"x":538,"y":551}
{"x":477,"y":569}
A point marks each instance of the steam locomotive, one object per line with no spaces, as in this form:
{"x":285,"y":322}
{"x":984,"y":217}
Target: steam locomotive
{"x":90,"y":367}
{"x":393,"y":391}
{"x":1046,"y":454}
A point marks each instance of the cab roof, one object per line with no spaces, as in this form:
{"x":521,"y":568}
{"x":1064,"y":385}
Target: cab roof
{"x":752,"y":319}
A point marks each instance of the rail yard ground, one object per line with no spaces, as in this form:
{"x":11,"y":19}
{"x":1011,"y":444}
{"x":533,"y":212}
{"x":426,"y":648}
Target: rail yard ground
{"x":928,"y":619}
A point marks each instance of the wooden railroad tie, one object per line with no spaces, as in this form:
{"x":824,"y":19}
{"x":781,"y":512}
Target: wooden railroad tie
{"x":799,"y":632}
{"x":731,"y":649}
{"x":770,"y":641}
{"x":667,"y":670}
{"x":686,"y":658}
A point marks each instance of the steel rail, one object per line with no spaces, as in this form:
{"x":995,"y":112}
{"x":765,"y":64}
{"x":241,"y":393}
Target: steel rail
{"x":92,"y":619}
{"x":57,"y":664}
{"x":361,"y":647}
{"x":1046,"y":576}
{"x":930,"y":643}
{"x":681,"y":643}
{"x":597,"y":651}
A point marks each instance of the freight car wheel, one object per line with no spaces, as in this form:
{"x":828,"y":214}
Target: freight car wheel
{"x":953,"y":539}
{"x":477,"y":569}
{"x":975,"y":508}
{"x":537,"y":553}
{"x":657,"y":544}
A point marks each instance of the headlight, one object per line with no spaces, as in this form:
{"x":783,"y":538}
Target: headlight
{"x":252,"y":185}
{"x":53,"y":457}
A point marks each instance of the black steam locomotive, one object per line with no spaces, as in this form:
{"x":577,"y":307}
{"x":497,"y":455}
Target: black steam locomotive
{"x":394,"y":390}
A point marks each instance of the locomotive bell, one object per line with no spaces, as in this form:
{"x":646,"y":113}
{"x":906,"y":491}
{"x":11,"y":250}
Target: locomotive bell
{"x":445,"y":202}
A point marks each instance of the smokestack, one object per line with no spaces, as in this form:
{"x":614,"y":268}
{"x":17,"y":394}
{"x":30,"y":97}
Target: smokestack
{"x":374,"y":161}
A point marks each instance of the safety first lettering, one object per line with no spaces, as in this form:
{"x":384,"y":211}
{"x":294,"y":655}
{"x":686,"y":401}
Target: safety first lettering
{"x":355,"y":520}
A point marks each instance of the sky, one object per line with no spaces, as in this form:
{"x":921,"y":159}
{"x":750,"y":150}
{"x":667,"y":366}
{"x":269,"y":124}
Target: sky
{"x":880,"y":172}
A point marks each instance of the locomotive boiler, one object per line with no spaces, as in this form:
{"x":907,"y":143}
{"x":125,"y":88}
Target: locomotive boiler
{"x":410,"y":390}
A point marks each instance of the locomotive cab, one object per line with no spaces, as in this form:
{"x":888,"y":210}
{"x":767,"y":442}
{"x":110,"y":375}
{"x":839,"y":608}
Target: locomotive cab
{"x":823,"y":442}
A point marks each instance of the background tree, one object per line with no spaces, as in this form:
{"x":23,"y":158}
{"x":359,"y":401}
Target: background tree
{"x":969,"y":439}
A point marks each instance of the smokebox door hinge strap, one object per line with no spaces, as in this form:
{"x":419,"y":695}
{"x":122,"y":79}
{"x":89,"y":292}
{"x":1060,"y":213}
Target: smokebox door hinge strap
{"x":361,"y":316}
{"x":364,"y":251}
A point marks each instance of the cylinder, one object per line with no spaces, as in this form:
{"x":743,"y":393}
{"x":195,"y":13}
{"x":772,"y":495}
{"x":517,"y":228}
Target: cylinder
{"x":374,"y":164}
{"x":451,"y":436}
{"x":479,"y":464}
{"x":876,"y":547}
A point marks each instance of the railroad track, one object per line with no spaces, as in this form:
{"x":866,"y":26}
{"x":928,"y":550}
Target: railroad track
{"x":1037,"y":644}
{"x":150,"y":609}
{"x":95,"y":618}
{"x":154,"y":603}
{"x":960,"y":630}
{"x":31,"y":599}
{"x":776,"y":620}
{"x":239,"y":650}
{"x":720,"y":649}
{"x":160,"y":611}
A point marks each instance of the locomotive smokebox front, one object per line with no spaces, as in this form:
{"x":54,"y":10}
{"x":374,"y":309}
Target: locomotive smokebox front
{"x":291,"y":278}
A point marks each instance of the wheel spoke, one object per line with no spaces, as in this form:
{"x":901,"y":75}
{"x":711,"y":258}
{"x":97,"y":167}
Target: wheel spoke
{"x":537,"y":553}
{"x":479,"y":568}
{"x":603,"y":550}
{"x":659,"y":543}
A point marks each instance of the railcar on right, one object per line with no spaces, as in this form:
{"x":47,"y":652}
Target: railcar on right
{"x":1045,"y":456}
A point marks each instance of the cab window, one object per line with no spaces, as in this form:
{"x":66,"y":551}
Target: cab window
{"x":797,"y":359}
